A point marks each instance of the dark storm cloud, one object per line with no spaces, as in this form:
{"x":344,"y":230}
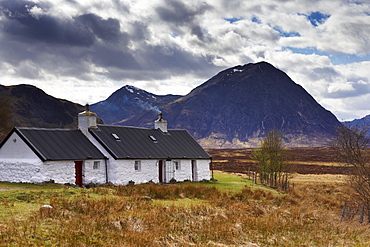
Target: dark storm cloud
{"x":161,"y":61}
{"x":44,"y":42}
{"x":83,"y":30}
{"x":108,"y":30}
{"x":105,"y":56}
{"x":197,"y":31}
{"x":17,"y":8}
{"x":25,"y":32}
{"x":156,"y":63}
{"x":177,"y":14}
{"x":22,"y":25}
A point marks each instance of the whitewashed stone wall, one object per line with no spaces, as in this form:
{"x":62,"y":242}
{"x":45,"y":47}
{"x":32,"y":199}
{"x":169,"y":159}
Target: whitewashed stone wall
{"x":185,"y":172}
{"x":36,"y":171}
{"x":64,"y":172}
{"x":16,"y":148}
{"x":60,"y":171}
{"x":27,"y":171}
{"x":92,"y":175}
{"x":203,"y":170}
{"x":120,"y":172}
{"x":111,"y":162}
{"x":124,"y":171}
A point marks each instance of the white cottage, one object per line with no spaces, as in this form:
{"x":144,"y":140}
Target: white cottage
{"x":102,"y":153}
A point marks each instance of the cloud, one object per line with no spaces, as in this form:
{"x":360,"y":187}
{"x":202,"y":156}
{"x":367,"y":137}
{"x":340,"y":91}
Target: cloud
{"x":162,"y":44}
{"x":107,"y":30}
{"x":22,"y":24}
{"x":182,"y":18}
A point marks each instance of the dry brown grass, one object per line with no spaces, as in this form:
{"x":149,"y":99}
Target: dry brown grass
{"x":317,"y":178}
{"x":319,"y":160}
{"x":123,"y":216}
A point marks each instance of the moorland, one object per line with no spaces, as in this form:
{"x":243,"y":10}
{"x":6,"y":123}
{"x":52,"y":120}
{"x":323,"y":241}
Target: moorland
{"x":230,"y":211}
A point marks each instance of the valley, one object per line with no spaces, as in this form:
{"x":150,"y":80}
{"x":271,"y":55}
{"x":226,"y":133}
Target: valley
{"x":316,"y":160}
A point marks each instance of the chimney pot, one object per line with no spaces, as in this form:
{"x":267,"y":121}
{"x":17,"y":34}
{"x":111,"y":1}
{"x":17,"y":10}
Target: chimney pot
{"x":86,"y":119}
{"x":160,"y":123}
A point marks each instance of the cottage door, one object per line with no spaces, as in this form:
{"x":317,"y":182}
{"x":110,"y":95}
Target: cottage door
{"x":169,"y":171}
{"x":194,"y":170}
{"x":78,"y":169}
{"x":160,"y":166}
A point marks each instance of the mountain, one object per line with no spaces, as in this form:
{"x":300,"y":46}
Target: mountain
{"x":238,"y":106}
{"x":233,"y":109}
{"x":360,"y":123}
{"x":29,"y":106}
{"x":128,"y":101}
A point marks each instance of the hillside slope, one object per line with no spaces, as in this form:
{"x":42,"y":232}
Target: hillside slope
{"x":29,"y":106}
{"x":240,"y":105}
{"x":128,"y":101}
{"x":360,"y":123}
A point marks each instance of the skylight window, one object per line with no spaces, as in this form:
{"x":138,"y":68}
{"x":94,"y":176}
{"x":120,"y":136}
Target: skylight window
{"x":116,"y":136}
{"x":153,"y":139}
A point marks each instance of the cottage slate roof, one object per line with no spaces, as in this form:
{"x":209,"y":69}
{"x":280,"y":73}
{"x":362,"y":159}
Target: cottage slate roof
{"x":141,"y":143}
{"x":58,"y":144}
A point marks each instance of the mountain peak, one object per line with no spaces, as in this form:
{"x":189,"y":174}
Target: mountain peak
{"x":238,"y":106}
{"x":260,"y":66}
{"x":136,"y":90}
{"x":128,"y":101}
{"x":131,"y":88}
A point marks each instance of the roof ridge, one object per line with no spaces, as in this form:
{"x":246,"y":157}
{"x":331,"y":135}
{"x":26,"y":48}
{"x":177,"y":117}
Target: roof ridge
{"x":48,"y":129}
{"x":121,"y":126}
{"x":132,"y":127}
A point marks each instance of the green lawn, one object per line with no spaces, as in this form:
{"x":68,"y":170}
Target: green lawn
{"x":233,"y":183}
{"x":26,"y":186}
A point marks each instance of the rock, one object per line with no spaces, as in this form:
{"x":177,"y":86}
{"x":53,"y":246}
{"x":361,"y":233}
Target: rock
{"x":46,"y":210}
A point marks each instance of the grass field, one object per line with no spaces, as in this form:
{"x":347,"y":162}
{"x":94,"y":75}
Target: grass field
{"x":232,"y":211}
{"x":322,"y":160}
{"x":21,"y":186}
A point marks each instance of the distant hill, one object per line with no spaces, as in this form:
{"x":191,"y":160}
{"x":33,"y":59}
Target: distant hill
{"x":29,"y":106}
{"x":360,"y":123}
{"x":238,"y":106}
{"x":128,"y":101}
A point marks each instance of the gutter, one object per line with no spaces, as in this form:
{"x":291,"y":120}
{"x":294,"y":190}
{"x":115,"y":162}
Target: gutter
{"x":213,"y":178}
{"x":106,"y":170}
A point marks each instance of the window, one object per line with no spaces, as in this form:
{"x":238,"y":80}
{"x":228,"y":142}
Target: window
{"x":153,"y":139}
{"x":176,"y":164}
{"x":137,"y":165}
{"x":96,"y":165}
{"x":116,"y":137}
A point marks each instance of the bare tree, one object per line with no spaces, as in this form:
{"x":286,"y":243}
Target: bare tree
{"x":271,"y":159}
{"x":352,"y":146}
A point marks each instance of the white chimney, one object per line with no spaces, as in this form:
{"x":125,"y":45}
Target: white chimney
{"x":86,"y":119}
{"x":160,"y":123}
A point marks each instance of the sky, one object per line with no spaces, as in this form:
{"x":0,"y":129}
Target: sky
{"x":84,"y":50}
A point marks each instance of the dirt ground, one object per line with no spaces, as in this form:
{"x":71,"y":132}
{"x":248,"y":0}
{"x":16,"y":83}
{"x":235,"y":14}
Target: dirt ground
{"x":318,"y":160}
